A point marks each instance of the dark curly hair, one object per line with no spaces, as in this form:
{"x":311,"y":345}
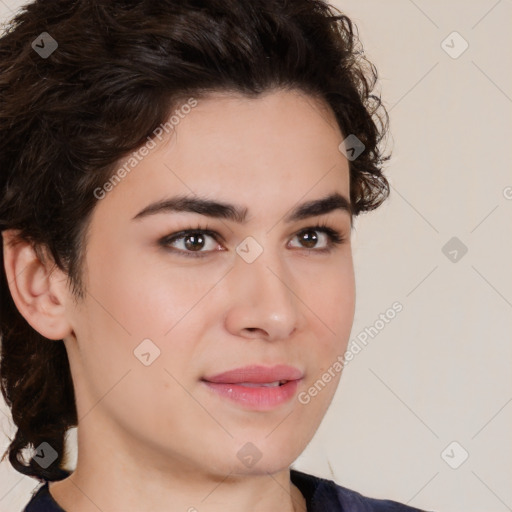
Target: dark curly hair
{"x":68,"y":117}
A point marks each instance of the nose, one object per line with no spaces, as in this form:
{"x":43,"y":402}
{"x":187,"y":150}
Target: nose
{"x":262,"y":302}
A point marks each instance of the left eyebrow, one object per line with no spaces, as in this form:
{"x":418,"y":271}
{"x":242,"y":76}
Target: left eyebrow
{"x":321,"y":206}
{"x":238,"y":214}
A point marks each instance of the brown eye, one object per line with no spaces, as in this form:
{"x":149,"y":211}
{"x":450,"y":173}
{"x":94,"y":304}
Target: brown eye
{"x":194,"y":242}
{"x":309,"y":238}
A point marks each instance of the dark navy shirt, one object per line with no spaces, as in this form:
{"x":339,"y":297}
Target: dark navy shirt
{"x":321,"y":496}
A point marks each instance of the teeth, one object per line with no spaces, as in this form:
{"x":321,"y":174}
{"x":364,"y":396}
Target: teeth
{"x":264,"y":384}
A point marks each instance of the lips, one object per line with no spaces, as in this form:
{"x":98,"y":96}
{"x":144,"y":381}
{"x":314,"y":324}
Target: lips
{"x":257,"y":375}
{"x":256,"y":388}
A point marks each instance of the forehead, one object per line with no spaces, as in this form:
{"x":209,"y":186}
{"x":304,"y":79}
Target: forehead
{"x":276,"y":148}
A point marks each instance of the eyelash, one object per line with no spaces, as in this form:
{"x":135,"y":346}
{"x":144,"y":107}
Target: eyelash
{"x":335,"y":239}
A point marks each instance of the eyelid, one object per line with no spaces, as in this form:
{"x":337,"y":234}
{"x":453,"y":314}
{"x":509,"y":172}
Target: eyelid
{"x":183,"y":233}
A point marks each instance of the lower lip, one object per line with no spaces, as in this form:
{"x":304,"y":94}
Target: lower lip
{"x":256,"y":398}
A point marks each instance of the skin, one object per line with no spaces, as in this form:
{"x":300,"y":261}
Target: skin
{"x":150,"y":436}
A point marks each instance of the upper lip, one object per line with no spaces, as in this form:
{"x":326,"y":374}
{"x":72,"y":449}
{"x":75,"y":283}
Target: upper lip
{"x":257,"y":374}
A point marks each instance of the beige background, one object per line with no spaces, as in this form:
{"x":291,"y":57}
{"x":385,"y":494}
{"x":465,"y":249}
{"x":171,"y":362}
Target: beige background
{"x":441,"y":370}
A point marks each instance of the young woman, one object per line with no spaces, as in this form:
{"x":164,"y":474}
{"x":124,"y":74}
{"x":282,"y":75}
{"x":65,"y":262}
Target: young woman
{"x":179,"y":181}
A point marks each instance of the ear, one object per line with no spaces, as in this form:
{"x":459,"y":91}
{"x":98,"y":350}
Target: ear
{"x":38,"y":288}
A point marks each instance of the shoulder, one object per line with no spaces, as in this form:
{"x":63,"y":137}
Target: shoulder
{"x":321,"y":495}
{"x":42,"y":501}
{"x":326,"y":496}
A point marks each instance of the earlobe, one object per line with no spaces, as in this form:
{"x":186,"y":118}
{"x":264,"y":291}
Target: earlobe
{"x":38,"y":288}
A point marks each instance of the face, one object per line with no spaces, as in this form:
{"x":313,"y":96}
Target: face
{"x":167,"y":311}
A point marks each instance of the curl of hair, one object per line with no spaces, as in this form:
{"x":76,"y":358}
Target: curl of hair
{"x":119,"y":70}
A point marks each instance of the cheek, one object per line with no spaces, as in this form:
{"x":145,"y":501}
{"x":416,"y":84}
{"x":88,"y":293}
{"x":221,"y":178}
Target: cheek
{"x":330,"y":295}
{"x":333,"y":315}
{"x":145,"y":298}
{"x":126,"y":305}
{"x":162,"y":302}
